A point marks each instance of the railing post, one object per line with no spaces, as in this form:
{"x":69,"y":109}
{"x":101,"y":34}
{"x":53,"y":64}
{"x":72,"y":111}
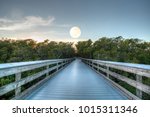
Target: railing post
{"x":92,"y":64}
{"x":98,"y":67}
{"x":18,"y":88}
{"x":107,"y":71}
{"x":64,"y":62}
{"x":47,"y":67}
{"x":139,"y":92}
{"x":57,"y":66}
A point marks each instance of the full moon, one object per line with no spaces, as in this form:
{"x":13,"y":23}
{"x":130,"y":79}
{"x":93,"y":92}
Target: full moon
{"x":75,"y":32}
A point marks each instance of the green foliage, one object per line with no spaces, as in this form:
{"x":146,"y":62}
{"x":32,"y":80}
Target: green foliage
{"x":113,"y":49}
{"x":84,"y":48}
{"x":116,"y":49}
{"x":29,"y":50}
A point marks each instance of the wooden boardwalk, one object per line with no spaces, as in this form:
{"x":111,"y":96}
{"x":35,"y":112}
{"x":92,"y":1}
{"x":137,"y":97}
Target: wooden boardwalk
{"x":76,"y":82}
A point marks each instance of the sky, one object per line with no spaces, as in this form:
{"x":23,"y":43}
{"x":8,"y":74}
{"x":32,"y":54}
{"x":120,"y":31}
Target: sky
{"x":52,"y":19}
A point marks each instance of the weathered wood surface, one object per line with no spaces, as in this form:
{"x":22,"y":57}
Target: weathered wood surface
{"x":143,"y":70}
{"x":12,"y":68}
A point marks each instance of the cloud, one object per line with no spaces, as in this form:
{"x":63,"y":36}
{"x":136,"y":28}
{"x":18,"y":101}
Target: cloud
{"x":63,"y":25}
{"x":27,"y":22}
{"x":34,"y":27}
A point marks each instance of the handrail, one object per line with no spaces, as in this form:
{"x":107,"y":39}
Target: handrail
{"x":12,"y":68}
{"x":19,"y":67}
{"x":139,"y":69}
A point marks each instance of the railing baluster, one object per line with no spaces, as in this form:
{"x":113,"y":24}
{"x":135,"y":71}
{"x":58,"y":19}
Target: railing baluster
{"x":47,"y":74}
{"x":139,"y":92}
{"x":57,"y":65}
{"x":65,"y":63}
{"x":92,"y":64}
{"x":107,"y":71}
{"x":18,"y":88}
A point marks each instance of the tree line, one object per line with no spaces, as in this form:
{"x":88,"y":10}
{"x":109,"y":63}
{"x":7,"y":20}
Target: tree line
{"x":115,"y":49}
{"x":111,"y":49}
{"x":29,"y":50}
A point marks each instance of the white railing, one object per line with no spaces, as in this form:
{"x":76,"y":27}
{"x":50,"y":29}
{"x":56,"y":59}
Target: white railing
{"x":139,"y":70}
{"x":18,"y":68}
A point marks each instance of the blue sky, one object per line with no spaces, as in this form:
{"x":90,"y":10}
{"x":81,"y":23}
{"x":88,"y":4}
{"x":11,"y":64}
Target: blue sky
{"x":52,"y":19}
